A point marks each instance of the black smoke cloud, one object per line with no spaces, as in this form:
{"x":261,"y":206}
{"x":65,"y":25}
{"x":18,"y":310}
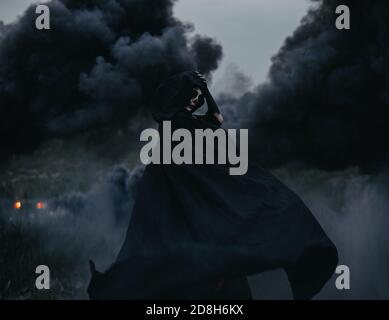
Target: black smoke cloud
{"x":326,"y":101}
{"x":98,"y":66}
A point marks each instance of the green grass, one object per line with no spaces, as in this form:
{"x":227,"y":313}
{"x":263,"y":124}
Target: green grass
{"x":20,"y":253}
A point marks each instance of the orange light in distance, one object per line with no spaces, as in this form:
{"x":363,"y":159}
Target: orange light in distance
{"x":39,"y":205}
{"x":17,"y":205}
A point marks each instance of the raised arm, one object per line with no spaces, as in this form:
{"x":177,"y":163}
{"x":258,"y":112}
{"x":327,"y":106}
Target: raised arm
{"x":213,"y":108}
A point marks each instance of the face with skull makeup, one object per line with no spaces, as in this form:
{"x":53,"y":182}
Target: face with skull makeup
{"x":186,"y":90}
{"x":196,"y":99}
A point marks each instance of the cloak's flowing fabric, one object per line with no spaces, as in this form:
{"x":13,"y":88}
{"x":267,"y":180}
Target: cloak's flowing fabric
{"x":197,"y":232}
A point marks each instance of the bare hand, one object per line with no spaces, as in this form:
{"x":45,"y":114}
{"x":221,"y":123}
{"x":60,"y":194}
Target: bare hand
{"x":219,"y":117}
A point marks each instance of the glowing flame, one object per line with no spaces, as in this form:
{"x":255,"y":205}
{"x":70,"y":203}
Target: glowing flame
{"x":39,"y":205}
{"x":17,"y":205}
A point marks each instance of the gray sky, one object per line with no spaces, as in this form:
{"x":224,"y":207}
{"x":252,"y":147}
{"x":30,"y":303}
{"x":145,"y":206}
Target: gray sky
{"x":251,"y":31}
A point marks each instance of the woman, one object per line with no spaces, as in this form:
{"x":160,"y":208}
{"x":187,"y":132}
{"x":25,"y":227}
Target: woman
{"x":197,"y":232}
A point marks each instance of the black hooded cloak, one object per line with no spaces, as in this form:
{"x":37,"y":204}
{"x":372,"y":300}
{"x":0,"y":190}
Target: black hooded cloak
{"x":197,"y":232}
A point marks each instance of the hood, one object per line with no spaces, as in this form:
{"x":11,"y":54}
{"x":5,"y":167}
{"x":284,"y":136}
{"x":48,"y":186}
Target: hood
{"x":172,"y":95}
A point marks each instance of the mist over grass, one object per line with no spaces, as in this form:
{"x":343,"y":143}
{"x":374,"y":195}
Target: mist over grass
{"x":87,"y":194}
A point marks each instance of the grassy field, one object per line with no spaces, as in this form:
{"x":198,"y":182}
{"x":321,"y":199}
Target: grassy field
{"x":77,"y":174}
